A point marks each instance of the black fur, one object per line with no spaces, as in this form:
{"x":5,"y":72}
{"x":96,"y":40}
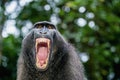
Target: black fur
{"x":64,"y":63}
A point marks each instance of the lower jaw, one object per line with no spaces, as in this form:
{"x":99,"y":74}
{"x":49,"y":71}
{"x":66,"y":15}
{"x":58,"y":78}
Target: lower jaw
{"x":44,"y":66}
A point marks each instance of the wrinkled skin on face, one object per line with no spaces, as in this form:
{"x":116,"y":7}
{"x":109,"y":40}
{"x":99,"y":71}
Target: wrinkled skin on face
{"x":45,"y":55}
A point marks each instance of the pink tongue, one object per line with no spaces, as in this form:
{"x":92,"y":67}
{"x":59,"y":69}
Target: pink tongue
{"x":42,"y":53}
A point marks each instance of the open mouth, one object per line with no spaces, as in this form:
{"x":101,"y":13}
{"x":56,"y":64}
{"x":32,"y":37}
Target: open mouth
{"x":42,"y":52}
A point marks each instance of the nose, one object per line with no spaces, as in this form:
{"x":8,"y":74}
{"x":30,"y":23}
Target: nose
{"x":44,"y":30}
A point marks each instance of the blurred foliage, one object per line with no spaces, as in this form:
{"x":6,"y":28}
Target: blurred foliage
{"x":92,"y":26}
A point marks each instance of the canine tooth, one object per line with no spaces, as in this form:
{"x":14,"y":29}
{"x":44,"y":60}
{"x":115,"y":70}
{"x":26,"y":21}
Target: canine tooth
{"x":42,"y":40}
{"x":36,"y":45}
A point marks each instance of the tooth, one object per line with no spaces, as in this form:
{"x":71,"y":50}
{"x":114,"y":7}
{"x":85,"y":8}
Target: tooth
{"x":42,"y":40}
{"x":36,"y":45}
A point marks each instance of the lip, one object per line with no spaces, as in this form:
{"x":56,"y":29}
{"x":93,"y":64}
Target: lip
{"x":42,"y":52}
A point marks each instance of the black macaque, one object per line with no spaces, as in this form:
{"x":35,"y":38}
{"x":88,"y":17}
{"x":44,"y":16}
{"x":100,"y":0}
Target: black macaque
{"x":45,"y":55}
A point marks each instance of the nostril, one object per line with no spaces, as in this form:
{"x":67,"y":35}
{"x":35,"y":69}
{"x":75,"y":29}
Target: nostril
{"x":40,"y":32}
{"x":43,"y":32}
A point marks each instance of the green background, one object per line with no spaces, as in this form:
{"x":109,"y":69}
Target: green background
{"x":92,"y":26}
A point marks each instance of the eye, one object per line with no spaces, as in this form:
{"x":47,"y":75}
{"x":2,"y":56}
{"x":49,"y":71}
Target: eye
{"x":39,"y":26}
{"x":50,"y":27}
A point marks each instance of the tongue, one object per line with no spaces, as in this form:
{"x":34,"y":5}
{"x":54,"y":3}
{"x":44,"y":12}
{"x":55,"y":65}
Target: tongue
{"x":42,"y":55}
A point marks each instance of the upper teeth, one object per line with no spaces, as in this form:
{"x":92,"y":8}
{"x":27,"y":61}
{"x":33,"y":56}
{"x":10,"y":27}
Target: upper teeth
{"x":39,"y":40}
